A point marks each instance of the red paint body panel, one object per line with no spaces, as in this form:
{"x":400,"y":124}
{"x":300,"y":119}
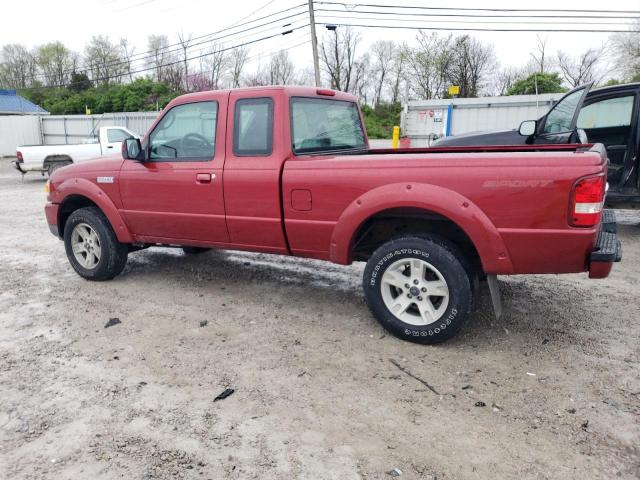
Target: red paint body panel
{"x":512,"y":202}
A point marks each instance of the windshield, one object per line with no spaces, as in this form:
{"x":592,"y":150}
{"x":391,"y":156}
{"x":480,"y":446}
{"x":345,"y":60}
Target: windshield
{"x":320,"y":125}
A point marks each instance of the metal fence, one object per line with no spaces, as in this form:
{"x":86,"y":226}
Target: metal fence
{"x":425,"y":120}
{"x":16,"y":130}
{"x":61,"y":129}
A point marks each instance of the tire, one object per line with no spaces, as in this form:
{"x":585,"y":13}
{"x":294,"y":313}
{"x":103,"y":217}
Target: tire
{"x":392,"y":280}
{"x":194,"y":250}
{"x":53,"y":166}
{"x":100,"y":257}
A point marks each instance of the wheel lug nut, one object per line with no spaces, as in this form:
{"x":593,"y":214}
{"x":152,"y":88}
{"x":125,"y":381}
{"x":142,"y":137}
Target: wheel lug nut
{"x":415,"y":282}
{"x":406,"y":285}
{"x":419,"y":299}
{"x":423,"y":289}
{"x":408,"y":295}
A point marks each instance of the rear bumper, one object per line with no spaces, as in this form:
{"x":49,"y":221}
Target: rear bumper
{"x":51,"y":212}
{"x":24,"y":169}
{"x":607,"y":250}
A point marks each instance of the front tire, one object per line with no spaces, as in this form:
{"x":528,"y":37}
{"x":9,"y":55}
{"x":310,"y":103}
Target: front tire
{"x":91,"y":245}
{"x":418,"y":288}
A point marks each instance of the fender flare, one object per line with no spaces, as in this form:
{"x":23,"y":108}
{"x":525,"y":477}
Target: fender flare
{"x":450,"y":204}
{"x":87,"y":189}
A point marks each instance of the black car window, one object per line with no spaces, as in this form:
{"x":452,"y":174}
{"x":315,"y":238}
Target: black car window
{"x":253,"y":127}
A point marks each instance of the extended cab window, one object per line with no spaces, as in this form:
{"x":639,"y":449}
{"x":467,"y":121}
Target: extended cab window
{"x":116,"y":135}
{"x":186,"y":132}
{"x":253,"y":127}
{"x":320,"y":125}
{"x":612,"y":112}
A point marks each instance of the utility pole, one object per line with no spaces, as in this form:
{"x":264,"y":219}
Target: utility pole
{"x":314,"y":43}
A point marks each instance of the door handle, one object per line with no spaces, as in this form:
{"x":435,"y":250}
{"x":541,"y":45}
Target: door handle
{"x":109,"y":146}
{"x":204,"y":177}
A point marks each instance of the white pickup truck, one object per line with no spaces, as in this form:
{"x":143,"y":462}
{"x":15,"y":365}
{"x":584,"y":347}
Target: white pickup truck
{"x":48,"y":158}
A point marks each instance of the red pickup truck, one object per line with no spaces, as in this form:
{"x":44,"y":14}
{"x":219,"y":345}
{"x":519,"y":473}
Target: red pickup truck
{"x":288,"y":170}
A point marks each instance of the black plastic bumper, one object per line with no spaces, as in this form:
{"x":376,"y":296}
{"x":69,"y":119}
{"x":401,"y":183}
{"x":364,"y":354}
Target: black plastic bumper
{"x":608,"y":247}
{"x":16,"y":165}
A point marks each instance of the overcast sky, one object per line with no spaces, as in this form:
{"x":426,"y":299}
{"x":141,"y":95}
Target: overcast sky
{"x":74,"y":22}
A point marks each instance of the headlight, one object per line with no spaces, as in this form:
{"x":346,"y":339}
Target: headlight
{"x":47,"y":186}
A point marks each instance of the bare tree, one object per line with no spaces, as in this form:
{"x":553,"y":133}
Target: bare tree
{"x":215,"y":65}
{"x":430,"y":63}
{"x":127,"y":54}
{"x":55,"y":62}
{"x":361,"y":83}
{"x":539,"y":54}
{"x":104,"y":60}
{"x":338,"y":56}
{"x":470,"y":63}
{"x":582,"y":68}
{"x":160,"y":56}
{"x":281,"y":69}
{"x":17,"y":66}
{"x":383,"y":52}
{"x":184,"y":41}
{"x":238,"y":59}
{"x":505,"y":78}
{"x":398,"y":70}
{"x":626,"y":52}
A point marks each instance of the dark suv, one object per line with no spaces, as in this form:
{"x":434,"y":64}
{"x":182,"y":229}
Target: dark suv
{"x":607,"y":115}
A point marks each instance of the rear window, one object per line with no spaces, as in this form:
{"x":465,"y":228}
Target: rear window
{"x":320,"y":125}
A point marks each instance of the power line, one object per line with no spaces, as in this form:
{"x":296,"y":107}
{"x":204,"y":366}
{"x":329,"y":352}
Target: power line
{"x":166,"y":49}
{"x":470,"y":29}
{"x":496,"y":22}
{"x":470,"y":9}
{"x":181,"y":60}
{"x":470,"y":15}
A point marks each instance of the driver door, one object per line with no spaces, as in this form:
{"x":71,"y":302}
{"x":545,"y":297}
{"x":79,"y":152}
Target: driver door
{"x":559,"y":125}
{"x":176,"y":194}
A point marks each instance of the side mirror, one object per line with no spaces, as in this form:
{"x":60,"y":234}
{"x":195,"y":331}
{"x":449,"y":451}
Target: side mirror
{"x":132,"y":149}
{"x":528,"y":128}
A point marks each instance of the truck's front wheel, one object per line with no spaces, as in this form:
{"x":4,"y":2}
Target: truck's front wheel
{"x":91,"y":245}
{"x":418,"y":289}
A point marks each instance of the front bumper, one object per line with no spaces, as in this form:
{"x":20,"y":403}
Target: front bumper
{"x":51,"y":212}
{"x":607,"y":250}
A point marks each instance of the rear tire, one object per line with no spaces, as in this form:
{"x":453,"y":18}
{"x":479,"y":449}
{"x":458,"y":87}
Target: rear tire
{"x":55,"y":166}
{"x":91,"y":245}
{"x":417,"y":287}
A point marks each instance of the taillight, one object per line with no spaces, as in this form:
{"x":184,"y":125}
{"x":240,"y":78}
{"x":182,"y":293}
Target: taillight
{"x":19,"y":156}
{"x":587,"y":200}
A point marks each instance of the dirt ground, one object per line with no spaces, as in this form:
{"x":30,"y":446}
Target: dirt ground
{"x":317,"y":392}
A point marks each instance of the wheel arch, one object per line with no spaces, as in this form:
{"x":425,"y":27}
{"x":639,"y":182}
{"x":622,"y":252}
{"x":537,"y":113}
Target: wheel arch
{"x":78,"y":193}
{"x":423,"y":208}
{"x":56,"y":158}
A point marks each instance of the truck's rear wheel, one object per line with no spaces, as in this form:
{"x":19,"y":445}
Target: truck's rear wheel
{"x":91,"y":245}
{"x":53,"y":166}
{"x":418,"y":289}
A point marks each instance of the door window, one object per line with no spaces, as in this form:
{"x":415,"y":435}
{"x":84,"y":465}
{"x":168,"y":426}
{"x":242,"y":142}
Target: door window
{"x":186,"y":132}
{"x":612,"y":112}
{"x":560,"y":117}
{"x":115,"y":135}
{"x":253,"y":127}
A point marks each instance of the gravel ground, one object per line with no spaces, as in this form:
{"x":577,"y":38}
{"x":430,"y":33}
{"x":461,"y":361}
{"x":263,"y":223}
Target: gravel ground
{"x":551,"y":390}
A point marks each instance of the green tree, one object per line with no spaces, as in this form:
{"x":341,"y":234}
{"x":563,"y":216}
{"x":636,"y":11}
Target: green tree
{"x":546,"y":83}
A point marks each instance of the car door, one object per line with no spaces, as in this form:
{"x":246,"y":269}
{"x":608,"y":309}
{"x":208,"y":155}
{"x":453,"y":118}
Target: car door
{"x":115,"y":137}
{"x":176,"y":194}
{"x":609,"y":119}
{"x":558,"y":125}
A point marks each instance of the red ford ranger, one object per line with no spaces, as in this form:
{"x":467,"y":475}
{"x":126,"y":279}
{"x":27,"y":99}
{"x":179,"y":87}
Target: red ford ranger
{"x":288,"y":170}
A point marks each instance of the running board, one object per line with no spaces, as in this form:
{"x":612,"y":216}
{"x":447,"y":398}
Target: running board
{"x":494,"y":289}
